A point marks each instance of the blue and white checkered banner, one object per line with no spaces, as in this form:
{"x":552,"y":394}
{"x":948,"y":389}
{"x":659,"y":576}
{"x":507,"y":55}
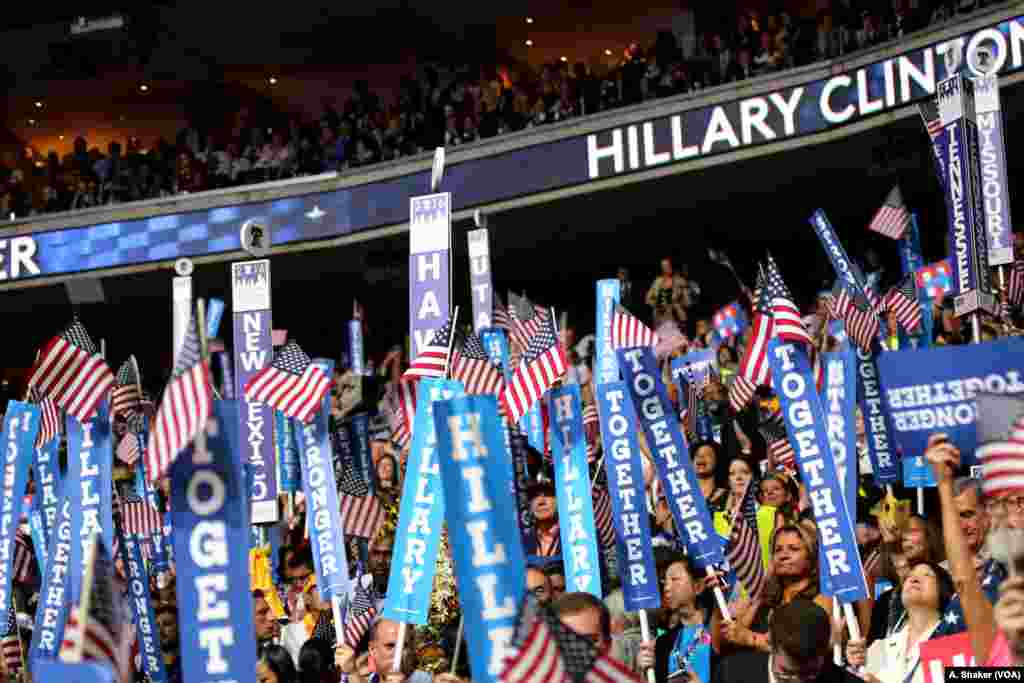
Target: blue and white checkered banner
{"x":624,"y":467}
{"x":55,"y":592}
{"x":490,"y":566}
{"x":323,"y":512}
{"x":47,"y":477}
{"x":21,"y":424}
{"x":211,"y":547}
{"x":572,"y":486}
{"x":150,"y":651}
{"x":89,"y":485}
{"x":606,"y":366}
{"x":839,"y":396}
{"x":671,"y":455}
{"x":842,"y":575}
{"x":414,"y":560}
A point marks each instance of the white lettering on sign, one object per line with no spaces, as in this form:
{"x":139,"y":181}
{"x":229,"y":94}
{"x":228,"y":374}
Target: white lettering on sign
{"x":420,"y":495}
{"x":138,"y":594}
{"x":809,"y":454}
{"x":772,"y":116}
{"x":630,"y":498}
{"x":874,"y":417}
{"x":7,"y":521}
{"x":53,"y":602}
{"x":835,"y":396}
{"x":18,"y":258}
{"x":46,"y":485}
{"x":320,"y":529}
{"x":942,"y":405}
{"x":678,"y":488}
{"x":577,"y":527}
{"x":959,"y":226}
{"x":208,"y":549}
{"x":467,"y":446}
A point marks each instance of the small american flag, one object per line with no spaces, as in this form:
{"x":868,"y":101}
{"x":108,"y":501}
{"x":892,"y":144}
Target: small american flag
{"x":23,"y":569}
{"x":433,"y":358}
{"x":184,"y":410}
{"x":780,"y":451}
{"x":361,"y":613}
{"x":291,"y":384}
{"x":473,"y":367}
{"x":743,"y":550}
{"x":787,"y":323}
{"x":627,"y":331}
{"x":500,"y":316}
{"x":604,"y":526}
{"x":929,"y":111}
{"x":140,"y":517}
{"x":591,"y":430}
{"x":548,"y":651}
{"x":902,"y":300}
{"x":50,"y":420}
{"x":395,"y":396}
{"x":754,"y":370}
{"x":10,"y":643}
{"x":892,"y":219}
{"x":861,"y":323}
{"x":127,"y":394}
{"x":543,"y":363}
{"x":526,"y":320}
{"x":103,"y":625}
{"x":72,"y":373}
{"x":128,"y":450}
{"x":361,"y":512}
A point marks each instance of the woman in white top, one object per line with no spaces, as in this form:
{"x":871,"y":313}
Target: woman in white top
{"x":897,"y":659}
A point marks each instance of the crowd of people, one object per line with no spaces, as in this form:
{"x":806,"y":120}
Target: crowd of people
{"x":450,"y":109}
{"x":948,"y":572}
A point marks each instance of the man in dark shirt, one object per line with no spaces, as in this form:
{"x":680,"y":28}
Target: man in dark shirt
{"x":801,"y":646}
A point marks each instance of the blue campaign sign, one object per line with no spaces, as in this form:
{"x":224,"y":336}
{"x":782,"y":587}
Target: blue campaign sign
{"x":54,"y":595}
{"x":877,"y":423}
{"x":840,"y":400}
{"x":624,"y":467}
{"x":606,"y":367}
{"x":417,"y":544}
{"x":211,"y":549}
{"x":84,"y":672}
{"x":533,"y":424}
{"x":360,"y":434}
{"x":142,"y":609}
{"x":47,"y":477}
{"x":490,"y":567}
{"x":572,"y":484}
{"x":21,"y":424}
{"x":323,"y":512}
{"x":671,"y":455}
{"x":697,"y":363}
{"x":496,"y":343}
{"x":932,"y":390}
{"x":842,"y":574}
{"x":291,"y":473}
{"x":35,"y":527}
{"x":355,"y":346}
{"x":89,"y":487}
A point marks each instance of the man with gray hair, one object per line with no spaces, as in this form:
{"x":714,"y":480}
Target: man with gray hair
{"x":974,"y":520}
{"x":625,"y":630}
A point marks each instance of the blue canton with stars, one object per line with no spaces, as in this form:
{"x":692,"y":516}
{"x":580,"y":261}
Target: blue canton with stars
{"x":952,"y":620}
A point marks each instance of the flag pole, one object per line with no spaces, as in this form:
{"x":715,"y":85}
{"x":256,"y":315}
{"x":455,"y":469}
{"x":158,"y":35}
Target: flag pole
{"x":85,"y":602}
{"x":451,"y":344}
{"x":458,"y":644}
{"x":204,"y":354}
{"x":17,"y":630}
